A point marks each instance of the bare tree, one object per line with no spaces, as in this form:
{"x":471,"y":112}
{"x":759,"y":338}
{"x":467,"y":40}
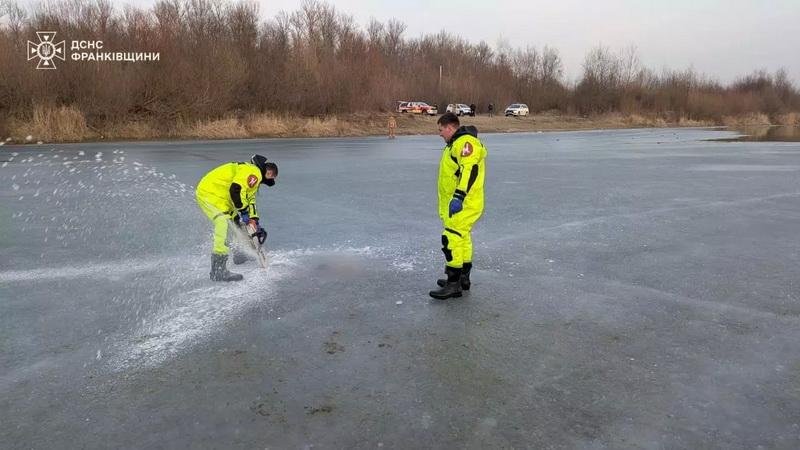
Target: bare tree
{"x":219,"y":59}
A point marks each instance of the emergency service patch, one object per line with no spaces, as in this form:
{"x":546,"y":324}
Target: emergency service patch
{"x":252,"y":180}
{"x":467,"y":150}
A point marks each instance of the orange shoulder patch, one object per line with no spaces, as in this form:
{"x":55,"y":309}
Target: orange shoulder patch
{"x":467,"y":150}
{"x":252,"y":180}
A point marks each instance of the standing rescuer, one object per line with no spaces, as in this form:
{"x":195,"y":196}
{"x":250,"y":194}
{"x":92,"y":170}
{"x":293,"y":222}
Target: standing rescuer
{"x":392,"y":124}
{"x":461,"y":174}
{"x":228,"y":192}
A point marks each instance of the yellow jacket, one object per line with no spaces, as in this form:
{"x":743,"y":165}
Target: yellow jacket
{"x":231,"y":187}
{"x":462,"y":170}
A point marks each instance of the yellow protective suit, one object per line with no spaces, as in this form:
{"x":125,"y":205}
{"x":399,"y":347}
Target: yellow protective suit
{"x":226,"y":190}
{"x":461,"y":174}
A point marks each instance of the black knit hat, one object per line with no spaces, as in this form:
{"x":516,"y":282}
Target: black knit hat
{"x":264,"y":165}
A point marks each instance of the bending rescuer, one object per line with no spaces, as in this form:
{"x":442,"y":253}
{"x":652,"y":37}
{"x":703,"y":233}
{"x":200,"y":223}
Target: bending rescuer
{"x":228,"y":192}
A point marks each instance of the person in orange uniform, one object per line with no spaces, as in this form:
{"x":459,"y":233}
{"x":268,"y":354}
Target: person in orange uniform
{"x":392,"y":126}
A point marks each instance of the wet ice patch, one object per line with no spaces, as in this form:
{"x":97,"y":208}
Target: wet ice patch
{"x":337,"y":266}
{"x":109,"y":270}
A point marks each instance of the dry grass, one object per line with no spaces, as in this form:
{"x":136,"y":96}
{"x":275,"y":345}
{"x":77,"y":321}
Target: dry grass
{"x":330,"y":127}
{"x":639,"y":121}
{"x":324,"y":127}
{"x":68,"y":124}
{"x":52,"y":124}
{"x":132,"y":130}
{"x":267,"y":125}
{"x":788,"y":119}
{"x":272,"y":125}
{"x":745,"y":120}
{"x":687,"y":122}
{"x":229,"y":128}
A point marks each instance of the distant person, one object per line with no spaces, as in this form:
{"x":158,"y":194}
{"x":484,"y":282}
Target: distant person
{"x":228,"y":192}
{"x":472,"y":109}
{"x":392,"y":126}
{"x":491,"y":109}
{"x":461,"y":174}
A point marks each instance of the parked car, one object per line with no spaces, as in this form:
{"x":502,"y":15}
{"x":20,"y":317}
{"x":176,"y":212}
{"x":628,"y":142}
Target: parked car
{"x":421,"y":108}
{"x":517,"y":109}
{"x":459,"y":109}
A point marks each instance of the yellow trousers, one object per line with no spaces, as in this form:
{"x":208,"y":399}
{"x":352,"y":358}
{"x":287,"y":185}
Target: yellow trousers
{"x":457,"y":238}
{"x":220,"y":220}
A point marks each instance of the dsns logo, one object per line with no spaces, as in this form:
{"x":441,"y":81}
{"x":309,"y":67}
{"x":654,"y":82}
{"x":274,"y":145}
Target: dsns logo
{"x":46,"y":50}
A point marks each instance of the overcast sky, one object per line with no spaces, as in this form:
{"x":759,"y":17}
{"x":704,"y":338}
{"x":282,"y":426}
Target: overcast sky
{"x":723,"y":39}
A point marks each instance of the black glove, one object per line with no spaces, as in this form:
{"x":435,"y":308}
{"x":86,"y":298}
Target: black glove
{"x":261,"y":234}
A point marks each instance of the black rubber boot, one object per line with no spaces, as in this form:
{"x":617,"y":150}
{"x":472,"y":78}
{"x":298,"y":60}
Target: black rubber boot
{"x":465,"y":283}
{"x":218,"y":270}
{"x":452,"y":286}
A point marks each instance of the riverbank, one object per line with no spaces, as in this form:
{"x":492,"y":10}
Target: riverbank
{"x":69,"y":125}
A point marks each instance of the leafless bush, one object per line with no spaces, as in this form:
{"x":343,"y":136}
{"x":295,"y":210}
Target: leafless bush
{"x":50,"y":123}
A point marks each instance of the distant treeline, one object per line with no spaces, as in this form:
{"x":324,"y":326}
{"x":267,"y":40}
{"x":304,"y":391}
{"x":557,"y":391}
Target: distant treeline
{"x":220,"y":59}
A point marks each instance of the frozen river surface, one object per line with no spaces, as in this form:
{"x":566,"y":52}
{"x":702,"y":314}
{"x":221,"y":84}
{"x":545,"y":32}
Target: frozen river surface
{"x":632,"y":289}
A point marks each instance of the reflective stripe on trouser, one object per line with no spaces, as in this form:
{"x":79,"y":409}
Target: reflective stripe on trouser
{"x":220,"y":220}
{"x":457,"y":238}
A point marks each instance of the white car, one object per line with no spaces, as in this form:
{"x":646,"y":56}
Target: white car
{"x":517,"y":109}
{"x":459,"y":109}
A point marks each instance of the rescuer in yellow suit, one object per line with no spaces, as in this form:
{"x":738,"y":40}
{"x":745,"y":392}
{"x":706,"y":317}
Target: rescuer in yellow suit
{"x":226,"y":193}
{"x":461,"y":174}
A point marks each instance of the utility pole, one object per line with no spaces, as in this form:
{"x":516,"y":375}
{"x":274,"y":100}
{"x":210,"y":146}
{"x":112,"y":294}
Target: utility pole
{"x":439,"y":93}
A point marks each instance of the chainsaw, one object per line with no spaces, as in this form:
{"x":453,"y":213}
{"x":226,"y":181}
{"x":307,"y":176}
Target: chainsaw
{"x":257,"y":241}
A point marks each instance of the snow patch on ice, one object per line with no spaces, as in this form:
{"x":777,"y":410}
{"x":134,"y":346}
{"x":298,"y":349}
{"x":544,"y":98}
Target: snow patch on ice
{"x":194,"y":316}
{"x":200,"y":313}
{"x":403,"y":266}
